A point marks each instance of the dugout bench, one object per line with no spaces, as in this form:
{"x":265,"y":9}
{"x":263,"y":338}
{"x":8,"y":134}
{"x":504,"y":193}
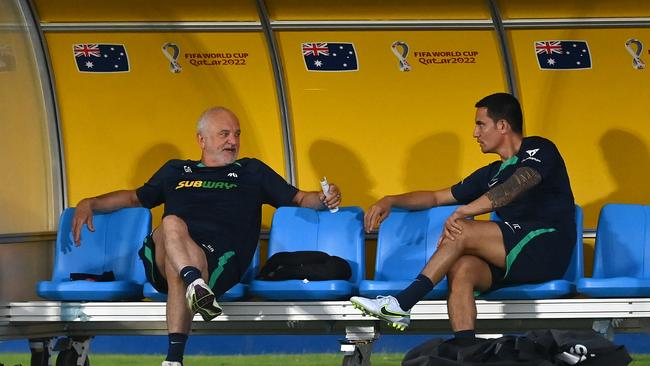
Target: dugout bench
{"x":78,"y":322}
{"x":619,"y":272}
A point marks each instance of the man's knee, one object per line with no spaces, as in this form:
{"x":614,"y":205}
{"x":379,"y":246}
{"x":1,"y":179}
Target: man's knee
{"x":475,"y":236}
{"x":172,"y":224}
{"x":460,"y":241}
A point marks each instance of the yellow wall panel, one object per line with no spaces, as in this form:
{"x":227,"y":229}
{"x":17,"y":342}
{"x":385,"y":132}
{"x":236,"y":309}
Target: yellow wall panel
{"x":380,"y":130}
{"x":118,"y":128}
{"x":596,"y":117}
{"x":573,"y":8}
{"x":376,"y":10}
{"x":145,"y":10}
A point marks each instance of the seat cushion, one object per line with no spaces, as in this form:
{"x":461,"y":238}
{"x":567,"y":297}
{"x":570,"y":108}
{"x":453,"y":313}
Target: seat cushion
{"x":544,"y":290}
{"x":301,"y":290}
{"x":90,"y":290}
{"x":235,"y":293}
{"x":372,"y":288}
{"x":615,"y":287}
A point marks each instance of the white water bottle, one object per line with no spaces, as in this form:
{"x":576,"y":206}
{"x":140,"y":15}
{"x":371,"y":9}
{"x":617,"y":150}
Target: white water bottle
{"x":326,"y":191}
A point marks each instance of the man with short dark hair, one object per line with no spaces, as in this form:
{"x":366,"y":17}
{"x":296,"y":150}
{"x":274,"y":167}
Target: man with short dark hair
{"x":530,"y":191}
{"x":211,"y":224}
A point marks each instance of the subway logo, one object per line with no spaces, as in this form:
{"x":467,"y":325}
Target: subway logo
{"x":207,"y":184}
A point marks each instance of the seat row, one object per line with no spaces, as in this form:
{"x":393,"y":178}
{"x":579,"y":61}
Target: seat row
{"x":406,"y":240}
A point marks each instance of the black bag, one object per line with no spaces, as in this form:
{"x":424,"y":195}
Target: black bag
{"x":586,"y":348}
{"x":502,"y":351}
{"x":310,"y":265}
{"x":107,"y":276}
{"x":536,"y":348}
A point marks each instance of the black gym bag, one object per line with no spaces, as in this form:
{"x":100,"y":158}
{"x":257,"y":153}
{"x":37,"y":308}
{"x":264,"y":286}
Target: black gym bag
{"x":535,"y":348}
{"x":310,"y":265}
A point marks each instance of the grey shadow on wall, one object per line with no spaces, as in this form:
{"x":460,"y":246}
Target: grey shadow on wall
{"x":628,"y":162}
{"x":149,"y":163}
{"x":433,"y":163}
{"x":342,"y":166}
{"x":151,"y":160}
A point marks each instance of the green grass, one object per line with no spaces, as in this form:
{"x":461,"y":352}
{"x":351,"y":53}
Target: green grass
{"x":379,"y":359}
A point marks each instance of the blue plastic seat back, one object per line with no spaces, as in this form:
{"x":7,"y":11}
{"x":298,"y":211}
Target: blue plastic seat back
{"x":340,"y":234}
{"x":113,"y":246}
{"x":576,"y":268}
{"x":406,"y":241}
{"x":253,"y":268}
{"x":623,"y":242}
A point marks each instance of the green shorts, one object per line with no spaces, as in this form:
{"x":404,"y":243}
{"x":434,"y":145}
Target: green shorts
{"x":223,"y":267}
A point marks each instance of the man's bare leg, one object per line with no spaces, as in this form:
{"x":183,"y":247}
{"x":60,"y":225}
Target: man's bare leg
{"x":468,"y":273}
{"x":482,"y":239}
{"x":175,"y":250}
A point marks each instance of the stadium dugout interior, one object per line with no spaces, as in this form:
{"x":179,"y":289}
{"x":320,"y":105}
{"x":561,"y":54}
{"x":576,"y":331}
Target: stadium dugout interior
{"x":396,"y":117}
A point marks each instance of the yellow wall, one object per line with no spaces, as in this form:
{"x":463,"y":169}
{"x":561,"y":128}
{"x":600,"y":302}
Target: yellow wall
{"x":376,"y":10}
{"x":596,"y":116}
{"x":573,"y":8}
{"x":119,"y":128}
{"x":145,"y":10}
{"x":381,"y":130}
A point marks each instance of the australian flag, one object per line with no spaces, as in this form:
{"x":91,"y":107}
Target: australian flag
{"x":563,"y":55}
{"x":330,"y":56}
{"x":101,"y":57}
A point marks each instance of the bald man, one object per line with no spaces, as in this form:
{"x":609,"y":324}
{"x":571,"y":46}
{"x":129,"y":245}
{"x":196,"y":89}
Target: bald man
{"x":211,"y":224}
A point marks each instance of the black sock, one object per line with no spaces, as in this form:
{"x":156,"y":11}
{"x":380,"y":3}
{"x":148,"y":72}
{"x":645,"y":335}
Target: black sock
{"x":469,"y":333}
{"x":415,"y":292}
{"x":190,"y":274}
{"x":176,"y":347}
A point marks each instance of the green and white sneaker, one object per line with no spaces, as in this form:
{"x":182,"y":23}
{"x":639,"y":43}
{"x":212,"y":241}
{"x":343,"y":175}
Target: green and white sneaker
{"x":384,"y":307}
{"x":201,"y":300}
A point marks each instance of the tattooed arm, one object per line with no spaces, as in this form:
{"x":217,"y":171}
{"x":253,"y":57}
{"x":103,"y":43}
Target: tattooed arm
{"x":522,"y":180}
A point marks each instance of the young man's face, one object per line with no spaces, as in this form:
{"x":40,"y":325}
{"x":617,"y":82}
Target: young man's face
{"x":486,"y":131}
{"x":220,"y":139}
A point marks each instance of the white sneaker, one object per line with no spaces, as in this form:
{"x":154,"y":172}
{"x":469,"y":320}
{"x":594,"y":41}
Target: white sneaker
{"x":201,"y":299}
{"x":171,"y":363}
{"x":384,"y":307}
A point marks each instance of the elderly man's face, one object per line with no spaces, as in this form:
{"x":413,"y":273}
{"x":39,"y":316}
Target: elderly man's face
{"x":219,"y":139}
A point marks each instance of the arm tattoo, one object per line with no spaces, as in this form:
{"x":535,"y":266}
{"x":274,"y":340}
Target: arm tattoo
{"x":522,"y":180}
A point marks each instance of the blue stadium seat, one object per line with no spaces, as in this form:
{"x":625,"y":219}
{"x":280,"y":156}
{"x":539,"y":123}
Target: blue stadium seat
{"x":406,"y":241}
{"x":237,"y":292}
{"x":551,"y":289}
{"x":297,"y":229}
{"x":622,"y":253}
{"x":113,"y":246}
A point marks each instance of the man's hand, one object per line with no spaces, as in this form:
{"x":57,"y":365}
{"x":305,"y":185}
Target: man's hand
{"x":333,"y":199}
{"x":376,"y":214}
{"x":83,"y":214}
{"x":452,"y":228}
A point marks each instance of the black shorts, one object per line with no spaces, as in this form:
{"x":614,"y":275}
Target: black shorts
{"x":223,"y":266}
{"x":535,"y":252}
